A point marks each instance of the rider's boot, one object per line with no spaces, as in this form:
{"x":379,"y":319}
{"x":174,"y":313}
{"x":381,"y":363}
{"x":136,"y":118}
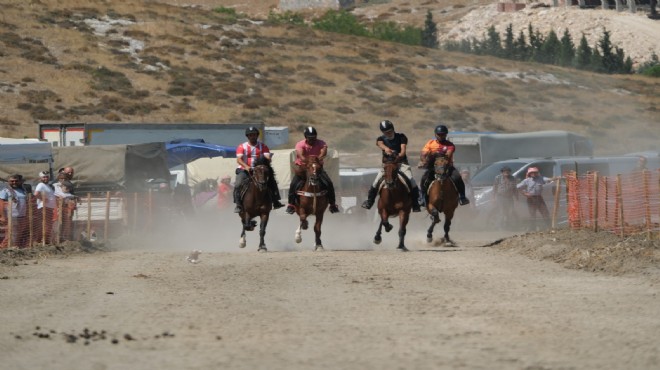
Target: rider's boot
{"x":237,"y":201}
{"x":276,"y":200}
{"x":291,"y":208}
{"x":371,"y":198}
{"x":334,"y":208}
{"x":460,"y":187}
{"x":414,"y":193}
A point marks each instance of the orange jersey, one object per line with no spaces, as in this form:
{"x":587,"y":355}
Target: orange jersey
{"x":434,"y":146}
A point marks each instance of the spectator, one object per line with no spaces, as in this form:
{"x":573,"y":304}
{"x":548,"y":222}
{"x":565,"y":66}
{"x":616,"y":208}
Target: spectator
{"x":46,"y":205}
{"x":13,"y":203}
{"x":66,"y":202}
{"x":641,"y":164}
{"x":532,"y":188}
{"x":224,"y":191}
{"x":504,"y":191}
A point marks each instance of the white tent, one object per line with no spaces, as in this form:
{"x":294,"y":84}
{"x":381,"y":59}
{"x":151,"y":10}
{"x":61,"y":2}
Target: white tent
{"x":24,"y":156}
{"x":216,"y":168}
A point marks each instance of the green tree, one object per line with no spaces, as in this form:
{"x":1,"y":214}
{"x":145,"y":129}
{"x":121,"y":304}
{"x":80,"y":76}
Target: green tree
{"x":550,"y":50}
{"x":567,"y":50}
{"x":521,"y":47}
{"x":583,"y":54}
{"x":430,"y":32}
{"x":509,"y":43}
{"x":596,"y":61}
{"x":493,"y":44}
{"x":340,"y":22}
{"x":608,"y":55}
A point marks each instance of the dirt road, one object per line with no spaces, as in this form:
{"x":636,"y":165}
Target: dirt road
{"x":363,"y":307}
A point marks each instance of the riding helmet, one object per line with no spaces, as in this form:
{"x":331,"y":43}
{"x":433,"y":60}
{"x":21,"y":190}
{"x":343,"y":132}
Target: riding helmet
{"x":310,"y":131}
{"x":386,"y":125}
{"x":441,"y":129}
{"x":251,"y":130}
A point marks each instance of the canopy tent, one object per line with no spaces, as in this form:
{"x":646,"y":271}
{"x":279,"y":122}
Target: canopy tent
{"x":100,"y":167}
{"x":185,"y":151}
{"x":24,"y":156}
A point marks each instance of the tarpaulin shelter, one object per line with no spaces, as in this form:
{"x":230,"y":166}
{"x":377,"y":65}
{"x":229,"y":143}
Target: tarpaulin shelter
{"x":25,"y":157}
{"x":104,"y":167}
{"x":185,"y":151}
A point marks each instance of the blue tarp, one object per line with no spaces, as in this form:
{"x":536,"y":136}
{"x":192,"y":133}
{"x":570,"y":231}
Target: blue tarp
{"x":185,"y":151}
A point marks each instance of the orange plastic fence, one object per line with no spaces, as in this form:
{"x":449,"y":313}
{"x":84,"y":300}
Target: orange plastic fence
{"x":623,"y":204}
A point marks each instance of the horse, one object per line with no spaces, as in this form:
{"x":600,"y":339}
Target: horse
{"x":442,"y":197}
{"x":313,"y":200}
{"x":256,"y":202}
{"x":394,"y":200}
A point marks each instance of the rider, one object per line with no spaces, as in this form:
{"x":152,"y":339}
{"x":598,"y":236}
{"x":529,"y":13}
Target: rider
{"x":440,"y":145}
{"x":246,"y":156}
{"x":393,"y":144}
{"x":310,"y":146}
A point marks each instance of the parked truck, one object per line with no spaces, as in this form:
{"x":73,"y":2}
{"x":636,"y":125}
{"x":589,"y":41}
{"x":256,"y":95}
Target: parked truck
{"x":475,"y":149}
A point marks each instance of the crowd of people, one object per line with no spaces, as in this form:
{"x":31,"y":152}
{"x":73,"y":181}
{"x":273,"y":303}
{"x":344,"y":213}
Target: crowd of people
{"x":50,"y":205}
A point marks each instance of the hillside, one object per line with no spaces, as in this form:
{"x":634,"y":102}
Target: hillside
{"x":134,"y":61}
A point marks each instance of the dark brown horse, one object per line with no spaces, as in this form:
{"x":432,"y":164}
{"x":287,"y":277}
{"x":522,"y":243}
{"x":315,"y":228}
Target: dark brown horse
{"x":256,"y":202}
{"x":394,"y":201}
{"x":442,"y":196}
{"x":313,"y":200}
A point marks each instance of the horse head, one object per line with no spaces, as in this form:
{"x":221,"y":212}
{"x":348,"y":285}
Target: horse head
{"x":440,"y":165}
{"x":261,"y":173}
{"x":391,"y":167}
{"x":313,"y":169}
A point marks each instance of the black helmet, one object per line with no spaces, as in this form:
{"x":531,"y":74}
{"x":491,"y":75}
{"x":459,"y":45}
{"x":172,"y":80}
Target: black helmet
{"x":441,"y":129}
{"x":310,"y":131}
{"x":386,"y":125}
{"x":251,"y":130}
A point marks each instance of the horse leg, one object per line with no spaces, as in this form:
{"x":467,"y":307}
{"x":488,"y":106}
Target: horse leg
{"x":403,"y":222}
{"x":262,"y":233}
{"x":242,"y":242}
{"x":317,"y":232}
{"x":384,"y":220}
{"x":435,"y":218}
{"x":447,"y":225}
{"x":377,"y":238}
{"x":298,"y":236}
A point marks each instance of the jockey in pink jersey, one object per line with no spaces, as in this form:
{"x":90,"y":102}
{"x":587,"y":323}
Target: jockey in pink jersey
{"x":246,"y":156}
{"x":310,"y":146}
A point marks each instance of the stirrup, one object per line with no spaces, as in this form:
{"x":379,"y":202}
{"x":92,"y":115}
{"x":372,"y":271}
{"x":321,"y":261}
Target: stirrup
{"x":367,"y":204}
{"x":334,"y":208}
{"x":463,"y":201}
{"x":277,"y":204}
{"x":416,"y":207}
{"x":291,"y":209}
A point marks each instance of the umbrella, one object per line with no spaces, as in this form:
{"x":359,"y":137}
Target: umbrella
{"x":186,"y":151}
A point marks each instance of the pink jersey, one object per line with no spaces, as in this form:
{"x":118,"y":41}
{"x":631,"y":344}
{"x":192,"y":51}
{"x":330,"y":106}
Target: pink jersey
{"x":308,"y":150}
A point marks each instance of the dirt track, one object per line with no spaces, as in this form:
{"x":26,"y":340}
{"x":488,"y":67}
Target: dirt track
{"x":465,"y":307}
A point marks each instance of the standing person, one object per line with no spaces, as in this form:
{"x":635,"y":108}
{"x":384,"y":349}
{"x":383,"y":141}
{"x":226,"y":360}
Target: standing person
{"x":46,"y":204}
{"x":532,"y":188}
{"x":641,"y":164}
{"x":440,"y":145}
{"x":246,"y":156}
{"x":66,"y":206}
{"x":13,"y":203}
{"x":224,"y":189}
{"x":505,"y":191}
{"x":63,"y":174}
{"x":393,"y":144}
{"x":307,"y":147}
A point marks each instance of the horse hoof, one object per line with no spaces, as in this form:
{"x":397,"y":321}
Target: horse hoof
{"x":241,"y":245}
{"x":377,"y":240}
{"x":253,"y":223}
{"x":319,"y":248}
{"x":298,"y":238}
{"x":402,"y":249}
{"x":429,"y":239}
{"x":262,"y":250}
{"x":388,"y":227}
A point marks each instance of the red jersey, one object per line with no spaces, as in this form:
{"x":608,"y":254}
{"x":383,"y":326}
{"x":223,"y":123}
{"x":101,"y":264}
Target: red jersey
{"x":445,"y":147}
{"x":251,"y":153}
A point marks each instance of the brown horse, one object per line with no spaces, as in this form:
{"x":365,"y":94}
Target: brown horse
{"x":394,"y":201}
{"x":256,"y":202}
{"x":442,"y":196}
{"x":313,"y":200}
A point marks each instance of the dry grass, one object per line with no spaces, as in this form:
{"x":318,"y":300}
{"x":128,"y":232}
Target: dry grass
{"x":201,"y":66}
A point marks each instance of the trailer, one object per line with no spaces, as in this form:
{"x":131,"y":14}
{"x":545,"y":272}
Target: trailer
{"x":231,"y":134}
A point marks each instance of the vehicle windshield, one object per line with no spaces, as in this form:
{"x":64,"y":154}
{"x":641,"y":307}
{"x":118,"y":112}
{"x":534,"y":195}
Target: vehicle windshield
{"x":486,"y":176}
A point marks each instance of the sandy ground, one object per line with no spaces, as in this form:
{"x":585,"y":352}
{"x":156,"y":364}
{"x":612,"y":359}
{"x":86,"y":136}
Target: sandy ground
{"x":355,"y":305}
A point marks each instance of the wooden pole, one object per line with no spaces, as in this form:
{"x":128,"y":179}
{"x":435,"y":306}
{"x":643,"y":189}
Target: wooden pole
{"x":595,"y":202}
{"x":89,"y":216}
{"x":43,"y":218}
{"x":619,"y":196}
{"x":10,"y":221}
{"x":30,"y":215}
{"x":647,"y":202}
{"x":606,"y":191}
{"x":60,"y":203}
{"x":106,"y":220}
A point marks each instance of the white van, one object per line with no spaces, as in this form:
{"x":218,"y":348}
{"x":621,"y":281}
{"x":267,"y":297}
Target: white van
{"x":482,"y":181}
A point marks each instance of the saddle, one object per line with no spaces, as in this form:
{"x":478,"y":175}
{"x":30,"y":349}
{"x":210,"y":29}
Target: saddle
{"x":402,"y":176}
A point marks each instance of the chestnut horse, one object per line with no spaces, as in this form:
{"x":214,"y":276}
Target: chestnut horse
{"x":256,"y":202}
{"x":394,"y":201}
{"x":313,"y":200}
{"x":442,"y":196}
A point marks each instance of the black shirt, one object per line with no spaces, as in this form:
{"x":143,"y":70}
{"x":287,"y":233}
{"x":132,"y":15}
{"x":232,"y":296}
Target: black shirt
{"x":395,"y":144}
